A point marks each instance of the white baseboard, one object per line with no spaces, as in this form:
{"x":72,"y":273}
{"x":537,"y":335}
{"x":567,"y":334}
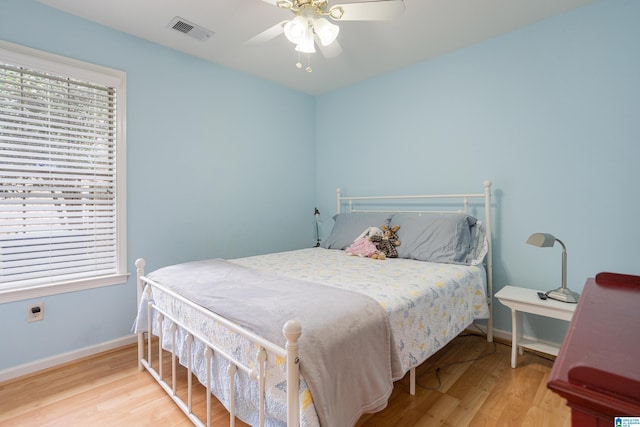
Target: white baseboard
{"x":506,"y":336}
{"x":497,"y":333}
{"x":49,"y":362}
{"x":503,"y":335}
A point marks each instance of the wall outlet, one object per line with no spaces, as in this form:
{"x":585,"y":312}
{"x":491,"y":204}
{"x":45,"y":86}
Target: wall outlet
{"x":35,"y":312}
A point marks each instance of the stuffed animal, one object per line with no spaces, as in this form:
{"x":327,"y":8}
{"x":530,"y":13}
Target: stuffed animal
{"x":363,"y":246}
{"x":386,"y":243}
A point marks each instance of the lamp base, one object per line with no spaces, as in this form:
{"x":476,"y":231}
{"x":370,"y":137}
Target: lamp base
{"x":564,"y":295}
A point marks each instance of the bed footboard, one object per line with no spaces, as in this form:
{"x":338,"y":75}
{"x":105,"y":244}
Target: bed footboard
{"x":292,"y":331}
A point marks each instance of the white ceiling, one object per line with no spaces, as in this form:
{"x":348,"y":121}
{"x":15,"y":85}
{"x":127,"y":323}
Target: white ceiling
{"x":428,"y":28}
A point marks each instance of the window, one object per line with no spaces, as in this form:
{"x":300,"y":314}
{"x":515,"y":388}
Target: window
{"x":62,"y":172}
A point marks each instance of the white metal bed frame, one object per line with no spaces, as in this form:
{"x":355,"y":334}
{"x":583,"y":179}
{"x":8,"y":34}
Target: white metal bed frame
{"x":292,"y":330}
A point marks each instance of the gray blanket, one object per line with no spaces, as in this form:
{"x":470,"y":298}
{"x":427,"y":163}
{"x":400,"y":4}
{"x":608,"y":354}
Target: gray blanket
{"x":345,"y":347}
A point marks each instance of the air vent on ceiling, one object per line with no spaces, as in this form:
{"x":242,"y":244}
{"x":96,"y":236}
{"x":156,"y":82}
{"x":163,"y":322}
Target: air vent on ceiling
{"x":189,"y":28}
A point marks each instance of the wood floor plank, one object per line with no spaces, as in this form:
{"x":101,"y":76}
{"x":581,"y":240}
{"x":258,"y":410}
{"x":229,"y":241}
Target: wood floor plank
{"x":467,"y":383}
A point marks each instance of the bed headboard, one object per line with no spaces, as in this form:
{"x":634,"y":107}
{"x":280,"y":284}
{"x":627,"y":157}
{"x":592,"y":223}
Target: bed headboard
{"x":432,"y":204}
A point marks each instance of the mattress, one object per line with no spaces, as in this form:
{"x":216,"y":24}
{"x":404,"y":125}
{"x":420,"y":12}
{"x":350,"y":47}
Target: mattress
{"x":428,"y":303}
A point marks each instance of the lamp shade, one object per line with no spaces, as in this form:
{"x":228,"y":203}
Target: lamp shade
{"x":541,"y":240}
{"x":326,"y":31}
{"x":306,"y":45}
{"x":296,"y":29}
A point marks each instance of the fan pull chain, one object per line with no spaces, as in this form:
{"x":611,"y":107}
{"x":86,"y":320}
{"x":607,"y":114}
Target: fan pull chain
{"x":299,"y":63}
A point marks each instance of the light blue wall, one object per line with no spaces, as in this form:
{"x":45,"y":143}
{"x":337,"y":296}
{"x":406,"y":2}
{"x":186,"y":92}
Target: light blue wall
{"x":550,"y":114}
{"x":211,"y":164}
{"x":213,"y":171}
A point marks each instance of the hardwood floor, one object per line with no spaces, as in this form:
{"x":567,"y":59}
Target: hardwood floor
{"x":108,"y":390}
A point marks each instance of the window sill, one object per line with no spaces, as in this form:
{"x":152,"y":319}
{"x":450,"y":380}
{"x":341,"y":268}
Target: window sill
{"x":18,"y":294}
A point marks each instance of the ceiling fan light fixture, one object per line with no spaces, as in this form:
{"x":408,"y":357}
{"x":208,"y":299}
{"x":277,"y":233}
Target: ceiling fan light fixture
{"x":314,"y":23}
{"x":326,"y":31}
{"x":306,"y":45}
{"x":296,"y":29}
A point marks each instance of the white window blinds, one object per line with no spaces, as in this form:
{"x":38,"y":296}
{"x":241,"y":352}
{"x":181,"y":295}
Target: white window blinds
{"x":58,"y":178}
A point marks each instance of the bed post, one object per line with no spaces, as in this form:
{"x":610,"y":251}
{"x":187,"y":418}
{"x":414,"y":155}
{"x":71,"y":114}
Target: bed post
{"x":292,"y":331}
{"x":338,"y":199}
{"x":487,"y":215}
{"x":140,"y":287}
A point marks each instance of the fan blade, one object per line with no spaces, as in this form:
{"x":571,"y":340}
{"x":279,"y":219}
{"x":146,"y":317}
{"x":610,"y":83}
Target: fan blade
{"x":331,"y":51}
{"x":381,"y":10}
{"x":266,"y":35}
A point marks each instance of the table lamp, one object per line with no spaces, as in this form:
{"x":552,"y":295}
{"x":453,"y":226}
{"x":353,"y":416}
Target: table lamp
{"x":544,"y":240}
{"x":316,"y":221}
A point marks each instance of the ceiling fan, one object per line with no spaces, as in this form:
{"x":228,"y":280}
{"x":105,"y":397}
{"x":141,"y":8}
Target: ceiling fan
{"x":310,"y":26}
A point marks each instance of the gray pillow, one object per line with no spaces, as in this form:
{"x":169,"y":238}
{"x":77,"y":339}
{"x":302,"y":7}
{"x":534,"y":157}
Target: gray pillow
{"x":443,"y":238}
{"x":348,"y":226}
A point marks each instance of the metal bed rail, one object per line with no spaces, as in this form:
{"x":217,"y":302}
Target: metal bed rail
{"x":291,"y":330}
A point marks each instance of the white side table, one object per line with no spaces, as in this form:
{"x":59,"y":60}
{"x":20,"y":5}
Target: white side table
{"x":524,"y":300}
